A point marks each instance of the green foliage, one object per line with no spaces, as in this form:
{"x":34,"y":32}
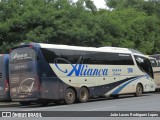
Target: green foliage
{"x":132,"y":23}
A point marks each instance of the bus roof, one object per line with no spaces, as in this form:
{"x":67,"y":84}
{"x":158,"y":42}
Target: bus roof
{"x":98,"y":49}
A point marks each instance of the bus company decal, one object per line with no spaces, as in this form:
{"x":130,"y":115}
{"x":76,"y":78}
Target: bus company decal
{"x":80,"y":69}
{"x":26,"y":85}
{"x":116,"y":72}
{"x":116,"y":91}
{"x":20,"y":56}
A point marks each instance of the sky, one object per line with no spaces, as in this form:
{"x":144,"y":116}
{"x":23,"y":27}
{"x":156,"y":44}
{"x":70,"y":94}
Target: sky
{"x":98,"y":3}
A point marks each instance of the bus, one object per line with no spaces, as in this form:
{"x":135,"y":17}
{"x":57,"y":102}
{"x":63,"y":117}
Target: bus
{"x":43,"y":73}
{"x":4,"y":78}
{"x":157,"y":57}
{"x":155,"y":60}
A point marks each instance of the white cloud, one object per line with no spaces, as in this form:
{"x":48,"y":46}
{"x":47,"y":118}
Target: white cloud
{"x":98,"y":3}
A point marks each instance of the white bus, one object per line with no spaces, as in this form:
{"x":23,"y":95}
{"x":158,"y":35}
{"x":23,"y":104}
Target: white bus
{"x":49,"y":72}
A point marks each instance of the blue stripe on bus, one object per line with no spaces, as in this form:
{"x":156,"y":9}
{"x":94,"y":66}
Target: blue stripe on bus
{"x":120,"y":88}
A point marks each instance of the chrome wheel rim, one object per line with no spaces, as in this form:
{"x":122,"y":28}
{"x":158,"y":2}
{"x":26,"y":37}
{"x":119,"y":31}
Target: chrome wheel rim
{"x":83,"y":95}
{"x":69,"y":96}
{"x":139,"y":90}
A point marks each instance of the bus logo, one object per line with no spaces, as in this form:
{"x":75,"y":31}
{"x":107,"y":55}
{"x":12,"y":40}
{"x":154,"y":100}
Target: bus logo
{"x":26,"y":85}
{"x":130,"y":70}
{"x":80,"y":69}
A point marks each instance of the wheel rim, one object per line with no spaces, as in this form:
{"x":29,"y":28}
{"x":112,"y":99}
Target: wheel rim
{"x":139,"y":90}
{"x":70,"y":96}
{"x":83,"y":95}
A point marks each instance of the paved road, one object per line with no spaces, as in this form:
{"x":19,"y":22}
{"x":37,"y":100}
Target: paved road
{"x":147,"y":102}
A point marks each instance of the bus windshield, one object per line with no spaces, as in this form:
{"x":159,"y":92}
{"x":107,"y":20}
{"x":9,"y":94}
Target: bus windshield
{"x":22,"y":55}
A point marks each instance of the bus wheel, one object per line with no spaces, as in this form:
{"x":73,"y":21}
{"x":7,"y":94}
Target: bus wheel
{"x":69,"y":96}
{"x":83,"y":95}
{"x":25,"y":103}
{"x":139,"y":90}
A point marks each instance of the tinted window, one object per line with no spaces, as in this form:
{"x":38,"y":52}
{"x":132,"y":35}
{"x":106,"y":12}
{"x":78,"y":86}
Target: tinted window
{"x":86,"y":57}
{"x":154,"y":63}
{"x":157,"y":57}
{"x":22,"y":55}
{"x":144,"y":65}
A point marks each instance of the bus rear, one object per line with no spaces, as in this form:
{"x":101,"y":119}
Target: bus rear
{"x":4,"y":78}
{"x":24,"y":82}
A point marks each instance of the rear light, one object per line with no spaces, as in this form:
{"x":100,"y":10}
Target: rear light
{"x":6,"y":86}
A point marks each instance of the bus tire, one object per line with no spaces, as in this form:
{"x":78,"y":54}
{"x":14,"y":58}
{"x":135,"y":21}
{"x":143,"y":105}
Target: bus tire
{"x":139,"y":90}
{"x":69,"y":96}
{"x":83,"y":95}
{"x":24,"y":103}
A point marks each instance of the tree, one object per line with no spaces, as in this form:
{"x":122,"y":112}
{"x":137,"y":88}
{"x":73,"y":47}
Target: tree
{"x":90,"y":5}
{"x":131,"y":23}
